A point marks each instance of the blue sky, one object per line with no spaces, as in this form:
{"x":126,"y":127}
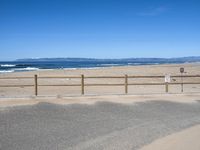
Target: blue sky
{"x":99,"y":28}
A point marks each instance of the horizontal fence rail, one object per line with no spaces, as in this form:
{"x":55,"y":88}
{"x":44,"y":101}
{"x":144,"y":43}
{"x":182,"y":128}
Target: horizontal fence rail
{"x":82,"y":83}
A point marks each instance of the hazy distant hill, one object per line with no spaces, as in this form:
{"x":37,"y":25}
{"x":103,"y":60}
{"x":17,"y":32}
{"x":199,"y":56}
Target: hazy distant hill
{"x":140,"y":60}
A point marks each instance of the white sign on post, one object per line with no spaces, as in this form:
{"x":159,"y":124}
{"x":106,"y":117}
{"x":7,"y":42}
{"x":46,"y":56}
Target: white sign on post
{"x":167,"y":78}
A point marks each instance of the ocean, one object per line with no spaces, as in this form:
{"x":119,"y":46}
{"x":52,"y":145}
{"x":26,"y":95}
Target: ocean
{"x":20,"y":66}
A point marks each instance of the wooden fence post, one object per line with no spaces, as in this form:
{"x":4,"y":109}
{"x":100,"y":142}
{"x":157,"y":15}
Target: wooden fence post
{"x":181,"y":82}
{"x":36,"y":85}
{"x":166,"y":87}
{"x":82,"y":84}
{"x":126,"y":84}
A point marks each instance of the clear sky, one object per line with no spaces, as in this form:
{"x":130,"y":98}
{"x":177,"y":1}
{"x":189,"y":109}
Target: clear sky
{"x":99,"y":28}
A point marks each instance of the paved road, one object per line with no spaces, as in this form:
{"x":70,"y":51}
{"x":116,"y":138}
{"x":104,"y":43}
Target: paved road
{"x":93,"y":127}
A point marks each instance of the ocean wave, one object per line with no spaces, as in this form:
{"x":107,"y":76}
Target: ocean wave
{"x":7,"y":65}
{"x":135,"y":63}
{"x":16,"y":65}
{"x":26,"y":69}
{"x":109,"y":64}
{"x":143,"y":63}
{"x":24,"y":65}
{"x":83,"y":68}
{"x":19,"y":70}
{"x":6,"y":71}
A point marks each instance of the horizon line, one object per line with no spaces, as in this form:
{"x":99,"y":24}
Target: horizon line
{"x":99,"y":58}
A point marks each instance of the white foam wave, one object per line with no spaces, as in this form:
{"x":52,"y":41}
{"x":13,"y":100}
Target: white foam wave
{"x":134,"y":63}
{"x":143,"y":63}
{"x":7,"y":65}
{"x":19,"y":69}
{"x":26,"y":69}
{"x":6,"y":71}
{"x":109,"y":64}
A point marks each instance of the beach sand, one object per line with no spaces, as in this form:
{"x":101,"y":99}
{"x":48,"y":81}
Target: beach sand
{"x":185,"y":140}
{"x":172,"y":69}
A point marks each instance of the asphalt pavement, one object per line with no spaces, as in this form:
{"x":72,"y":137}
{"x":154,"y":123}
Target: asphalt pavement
{"x":103,"y":125}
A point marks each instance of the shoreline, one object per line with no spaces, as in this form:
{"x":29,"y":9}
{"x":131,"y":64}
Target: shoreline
{"x":94,"y":68}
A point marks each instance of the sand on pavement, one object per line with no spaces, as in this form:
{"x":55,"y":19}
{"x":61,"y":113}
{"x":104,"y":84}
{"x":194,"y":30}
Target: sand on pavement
{"x":185,"y":140}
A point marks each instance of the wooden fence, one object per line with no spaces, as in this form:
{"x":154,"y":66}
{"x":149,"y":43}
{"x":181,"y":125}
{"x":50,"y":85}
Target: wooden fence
{"x":82,"y":84}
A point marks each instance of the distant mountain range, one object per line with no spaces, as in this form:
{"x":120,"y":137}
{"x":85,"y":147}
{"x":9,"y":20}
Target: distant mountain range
{"x":139,"y":60}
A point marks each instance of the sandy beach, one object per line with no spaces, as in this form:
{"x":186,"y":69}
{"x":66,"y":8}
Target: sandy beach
{"x":146,"y":70}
